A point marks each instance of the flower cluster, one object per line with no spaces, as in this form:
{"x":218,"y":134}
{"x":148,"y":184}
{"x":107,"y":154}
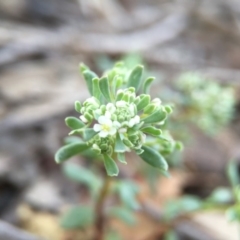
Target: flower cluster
{"x":205,"y":102}
{"x":122,"y":121}
{"x":117,"y":119}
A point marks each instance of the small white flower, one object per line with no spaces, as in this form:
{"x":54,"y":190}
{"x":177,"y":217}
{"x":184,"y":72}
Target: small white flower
{"x":108,"y":115}
{"x":95,"y":146}
{"x":122,"y":130}
{"x":116,"y":124}
{"x":133,"y":121}
{"x":111,"y":108}
{"x":83,"y":119}
{"x":156,"y":101}
{"x":93,"y":101}
{"x":105,"y":127}
{"x":121,"y":104}
{"x":132,"y":109}
{"x":119,"y":91}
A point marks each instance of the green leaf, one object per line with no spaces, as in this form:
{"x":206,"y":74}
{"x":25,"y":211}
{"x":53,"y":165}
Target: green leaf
{"x":117,"y":82}
{"x":123,"y":214}
{"x":179,"y":146}
{"x":152,"y":131}
{"x":88,"y":133}
{"x":112,"y":235}
{"x":110,"y":165}
{"x":153,"y":158}
{"x":96,"y":89}
{"x":69,"y":151}
{"x":127,"y":191}
{"x":121,"y":157}
{"x":135,"y":77}
{"x":77,"y":106}
{"x":83,"y":67}
{"x":144,"y":101}
{"x":104,"y":87}
{"x":232,"y":173}
{"x":78,"y":217}
{"x":74,"y":123}
{"x":82,"y":175}
{"x":127,"y":143}
{"x":176,"y":208}
{"x":221,"y":195}
{"x":119,"y":145}
{"x":88,"y":76}
{"x":170,"y":235}
{"x":168,"y":109}
{"x":147,"y":84}
{"x":76,"y":131}
{"x":157,"y":116}
{"x":233,"y":213}
{"x":72,"y":139}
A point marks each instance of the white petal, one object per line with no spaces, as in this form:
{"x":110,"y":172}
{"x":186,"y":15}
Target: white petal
{"x":97,"y":127}
{"x":95,"y":146}
{"x":131,"y":122}
{"x":125,"y":124}
{"x":83,"y":119}
{"x":131,"y":108}
{"x":110,"y":108}
{"x":119,"y":91}
{"x":108,"y":114}
{"x":116,"y":124}
{"x":156,"y":101}
{"x":121,"y":103}
{"x":108,"y":122}
{"x":103,"y":134}
{"x":102,"y":119}
{"x":112,"y":131}
{"x":137,"y":119}
{"x":92,"y":100}
{"x":122,"y":130}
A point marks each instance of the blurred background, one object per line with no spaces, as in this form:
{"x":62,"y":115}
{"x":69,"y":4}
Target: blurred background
{"x":41,"y":45}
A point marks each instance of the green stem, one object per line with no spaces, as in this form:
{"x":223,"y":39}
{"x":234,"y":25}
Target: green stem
{"x":99,"y":210}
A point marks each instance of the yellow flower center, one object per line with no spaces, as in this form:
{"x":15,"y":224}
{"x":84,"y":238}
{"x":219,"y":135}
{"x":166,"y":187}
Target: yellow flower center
{"x":105,"y":127}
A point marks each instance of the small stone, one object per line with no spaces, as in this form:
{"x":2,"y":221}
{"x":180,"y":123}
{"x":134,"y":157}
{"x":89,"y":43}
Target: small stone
{"x":45,"y":195}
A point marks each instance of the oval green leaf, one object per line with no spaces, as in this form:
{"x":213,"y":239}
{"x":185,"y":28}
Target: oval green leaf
{"x":154,"y":158}
{"x":88,"y":76}
{"x":157,"y":116}
{"x":144,"y":101}
{"x":69,"y":151}
{"x":147,"y":84}
{"x":74,"y":123}
{"x":135,"y":77}
{"x":152,"y":131}
{"x":104,"y":87}
{"x":110,"y":165}
{"x":78,"y":217}
{"x":77,"y":106}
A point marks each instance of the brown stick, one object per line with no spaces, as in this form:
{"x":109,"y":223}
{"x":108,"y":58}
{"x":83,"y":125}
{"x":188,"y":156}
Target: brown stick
{"x":99,"y":221}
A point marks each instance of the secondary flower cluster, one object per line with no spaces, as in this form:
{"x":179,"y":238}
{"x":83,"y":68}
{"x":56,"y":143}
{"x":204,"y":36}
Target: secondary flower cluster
{"x":205,"y":102}
{"x":116,"y":119}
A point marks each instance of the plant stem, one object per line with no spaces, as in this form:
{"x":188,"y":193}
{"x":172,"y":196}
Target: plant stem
{"x":99,"y":210}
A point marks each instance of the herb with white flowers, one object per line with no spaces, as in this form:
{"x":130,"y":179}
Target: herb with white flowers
{"x":119,"y":117}
{"x":116,"y":119}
